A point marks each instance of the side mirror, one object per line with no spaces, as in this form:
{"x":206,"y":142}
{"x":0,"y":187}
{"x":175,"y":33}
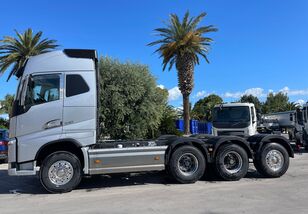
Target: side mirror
{"x":259,"y":116}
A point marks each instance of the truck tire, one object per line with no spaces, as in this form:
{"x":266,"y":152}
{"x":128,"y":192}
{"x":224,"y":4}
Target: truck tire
{"x":231,"y":162}
{"x":60,"y":172}
{"x":187,"y":164}
{"x":272,"y":161}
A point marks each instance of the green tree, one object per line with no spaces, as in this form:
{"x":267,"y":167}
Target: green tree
{"x":292,"y":106}
{"x":276,"y":103}
{"x":203,"y":108}
{"x":6,"y":104}
{"x":181,"y":43}
{"x":167,"y":123}
{"x":15,"y":51}
{"x":131,"y":103}
{"x":252,"y":99}
{"x":4,"y":124}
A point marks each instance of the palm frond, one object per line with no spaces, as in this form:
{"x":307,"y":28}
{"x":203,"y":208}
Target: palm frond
{"x":15,"y":51}
{"x":182,"y":37}
{"x":197,"y":20}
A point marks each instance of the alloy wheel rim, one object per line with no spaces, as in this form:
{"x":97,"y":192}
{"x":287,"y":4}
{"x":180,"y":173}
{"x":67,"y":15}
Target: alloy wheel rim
{"x":274,"y":160}
{"x":188,"y":164}
{"x":233,"y":162}
{"x":60,"y":172}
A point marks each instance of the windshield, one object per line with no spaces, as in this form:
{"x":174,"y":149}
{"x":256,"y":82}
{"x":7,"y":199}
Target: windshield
{"x":231,"y":114}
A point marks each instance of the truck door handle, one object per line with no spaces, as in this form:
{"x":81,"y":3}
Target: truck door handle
{"x":53,"y":124}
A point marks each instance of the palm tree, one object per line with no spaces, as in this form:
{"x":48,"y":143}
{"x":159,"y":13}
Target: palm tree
{"x":16,"y":51}
{"x":182,"y":43}
{"x":6,"y":104}
{"x":292,"y":106}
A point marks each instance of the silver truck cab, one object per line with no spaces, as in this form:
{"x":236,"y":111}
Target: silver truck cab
{"x":49,"y":107}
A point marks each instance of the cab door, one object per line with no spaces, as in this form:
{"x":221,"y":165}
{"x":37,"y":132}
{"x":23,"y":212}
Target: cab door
{"x":41,"y":118}
{"x":253,"y":121}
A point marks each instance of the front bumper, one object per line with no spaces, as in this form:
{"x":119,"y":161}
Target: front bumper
{"x":19,"y":169}
{"x":12,"y":150}
{"x":23,"y":169}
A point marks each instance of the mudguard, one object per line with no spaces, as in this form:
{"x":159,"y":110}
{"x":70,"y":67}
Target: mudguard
{"x":179,"y":141}
{"x":218,"y":141}
{"x":257,"y":141}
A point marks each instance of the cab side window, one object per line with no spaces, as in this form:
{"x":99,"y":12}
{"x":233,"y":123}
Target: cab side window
{"x":42,"y":89}
{"x":75,"y":85}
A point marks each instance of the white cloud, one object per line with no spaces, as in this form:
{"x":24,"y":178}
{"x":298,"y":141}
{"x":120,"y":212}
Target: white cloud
{"x":174,"y":94}
{"x":258,"y":92}
{"x":201,"y":94}
{"x":161,"y":86}
{"x":284,"y":90}
{"x":290,"y":92}
{"x":301,"y":102}
{"x":4,"y":116}
{"x":232,"y":94}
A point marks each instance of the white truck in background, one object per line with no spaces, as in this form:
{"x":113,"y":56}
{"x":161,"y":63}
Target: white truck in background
{"x":241,"y":119}
{"x":289,"y":123}
{"x":238,"y":119}
{"x":54,"y":130}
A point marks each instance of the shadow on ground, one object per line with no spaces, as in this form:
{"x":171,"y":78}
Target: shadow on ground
{"x":31,"y":184}
{"x":302,"y":151}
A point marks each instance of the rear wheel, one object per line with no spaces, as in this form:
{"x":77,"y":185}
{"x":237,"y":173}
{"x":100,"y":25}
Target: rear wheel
{"x":60,"y":172}
{"x":231,"y":162}
{"x":272,"y":161}
{"x":187,"y":164}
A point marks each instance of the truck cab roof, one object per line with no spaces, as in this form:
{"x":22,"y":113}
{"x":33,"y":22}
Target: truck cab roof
{"x":61,"y":60}
{"x":235,"y":104}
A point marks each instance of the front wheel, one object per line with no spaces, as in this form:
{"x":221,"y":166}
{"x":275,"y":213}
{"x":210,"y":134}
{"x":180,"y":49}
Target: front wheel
{"x":231,"y":162}
{"x":60,"y":172}
{"x":272,"y":161}
{"x":187,"y":164}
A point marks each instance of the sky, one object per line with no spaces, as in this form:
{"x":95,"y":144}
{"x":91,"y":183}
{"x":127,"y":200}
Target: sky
{"x":261,"y":46}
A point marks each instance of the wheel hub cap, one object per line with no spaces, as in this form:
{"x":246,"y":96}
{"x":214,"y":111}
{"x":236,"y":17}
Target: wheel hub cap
{"x":61,"y":172}
{"x":188,"y":164}
{"x":274,"y":160}
{"x":233,"y":162}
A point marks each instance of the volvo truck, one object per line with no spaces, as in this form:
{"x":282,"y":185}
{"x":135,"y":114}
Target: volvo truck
{"x":54,"y":132}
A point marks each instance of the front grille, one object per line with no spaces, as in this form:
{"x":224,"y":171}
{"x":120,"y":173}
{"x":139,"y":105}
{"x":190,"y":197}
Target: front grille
{"x":231,"y":133}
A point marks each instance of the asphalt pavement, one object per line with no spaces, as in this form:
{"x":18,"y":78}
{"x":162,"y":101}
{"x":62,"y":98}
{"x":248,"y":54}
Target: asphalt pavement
{"x":155,"y":193}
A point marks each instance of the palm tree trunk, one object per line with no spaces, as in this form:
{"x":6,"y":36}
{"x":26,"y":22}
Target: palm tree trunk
{"x":186,"y":114}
